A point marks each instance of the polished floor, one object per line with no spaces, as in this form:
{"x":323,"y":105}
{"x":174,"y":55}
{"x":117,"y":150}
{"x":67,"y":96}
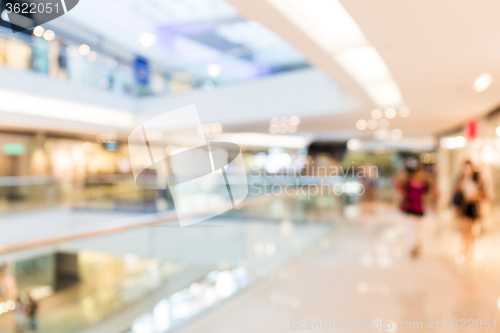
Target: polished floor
{"x":310,"y":265}
{"x":361,"y":277}
{"x":254,"y":241}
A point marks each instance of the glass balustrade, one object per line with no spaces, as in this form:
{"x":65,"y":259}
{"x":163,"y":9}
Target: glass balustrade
{"x":156,"y":278}
{"x":78,"y":64}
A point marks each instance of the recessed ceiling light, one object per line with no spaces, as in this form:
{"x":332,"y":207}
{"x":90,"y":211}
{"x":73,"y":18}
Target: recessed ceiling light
{"x":376,"y":114}
{"x":396,"y":134}
{"x":482,"y":82}
{"x":275,"y":121}
{"x":92,"y":56}
{"x":214,"y":70}
{"x":391,"y":113}
{"x":147,"y":39}
{"x":294,"y":120}
{"x":381,"y":134}
{"x":450,"y":143}
{"x":354,"y":144}
{"x":84,"y":49}
{"x":372,"y":124}
{"x":209,"y":85}
{"x":460,"y":141}
{"x":217,"y":127}
{"x":361,"y":124}
{"x":274,"y":129}
{"x":38,"y":31}
{"x":283,"y":128}
{"x":49,"y":35}
{"x":383,"y":123}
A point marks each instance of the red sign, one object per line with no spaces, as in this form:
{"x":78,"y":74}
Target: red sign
{"x":472,"y":130}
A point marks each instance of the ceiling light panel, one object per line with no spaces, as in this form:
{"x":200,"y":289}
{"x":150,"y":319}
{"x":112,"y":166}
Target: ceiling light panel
{"x":333,"y":21}
{"x":364,"y":64}
{"x":385,"y":93}
{"x":333,"y":29}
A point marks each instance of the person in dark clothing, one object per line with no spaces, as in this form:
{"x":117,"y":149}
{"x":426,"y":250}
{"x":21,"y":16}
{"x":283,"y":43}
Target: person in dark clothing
{"x":32,"y":309}
{"x":470,"y":193}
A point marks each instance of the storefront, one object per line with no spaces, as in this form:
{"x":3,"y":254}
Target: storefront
{"x":478,"y":142}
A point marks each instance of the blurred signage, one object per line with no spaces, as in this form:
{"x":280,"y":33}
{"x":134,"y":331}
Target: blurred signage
{"x":111,"y":146}
{"x":141,"y":71}
{"x":472,"y":130}
{"x":13,"y":149}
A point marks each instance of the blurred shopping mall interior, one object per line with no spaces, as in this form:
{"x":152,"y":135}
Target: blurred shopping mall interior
{"x":234,"y":166}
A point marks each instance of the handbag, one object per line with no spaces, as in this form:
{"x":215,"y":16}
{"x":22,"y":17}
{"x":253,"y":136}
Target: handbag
{"x":458,"y":199}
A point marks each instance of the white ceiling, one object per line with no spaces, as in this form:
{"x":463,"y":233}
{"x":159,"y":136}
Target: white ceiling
{"x":190,"y":36}
{"x":434,"y":49}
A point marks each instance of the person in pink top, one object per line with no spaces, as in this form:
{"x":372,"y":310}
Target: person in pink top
{"x":414,"y":185}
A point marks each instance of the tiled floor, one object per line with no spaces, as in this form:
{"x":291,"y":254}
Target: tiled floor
{"x":362,"y":274}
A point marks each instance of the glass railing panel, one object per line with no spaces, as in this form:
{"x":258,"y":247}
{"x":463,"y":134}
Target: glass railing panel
{"x":202,"y":265}
{"x":62,"y":60}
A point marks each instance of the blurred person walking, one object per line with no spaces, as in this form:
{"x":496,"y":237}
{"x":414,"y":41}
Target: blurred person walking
{"x":469,"y":194}
{"x":32,"y":309}
{"x":414,"y":184}
{"x":20,"y":316}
